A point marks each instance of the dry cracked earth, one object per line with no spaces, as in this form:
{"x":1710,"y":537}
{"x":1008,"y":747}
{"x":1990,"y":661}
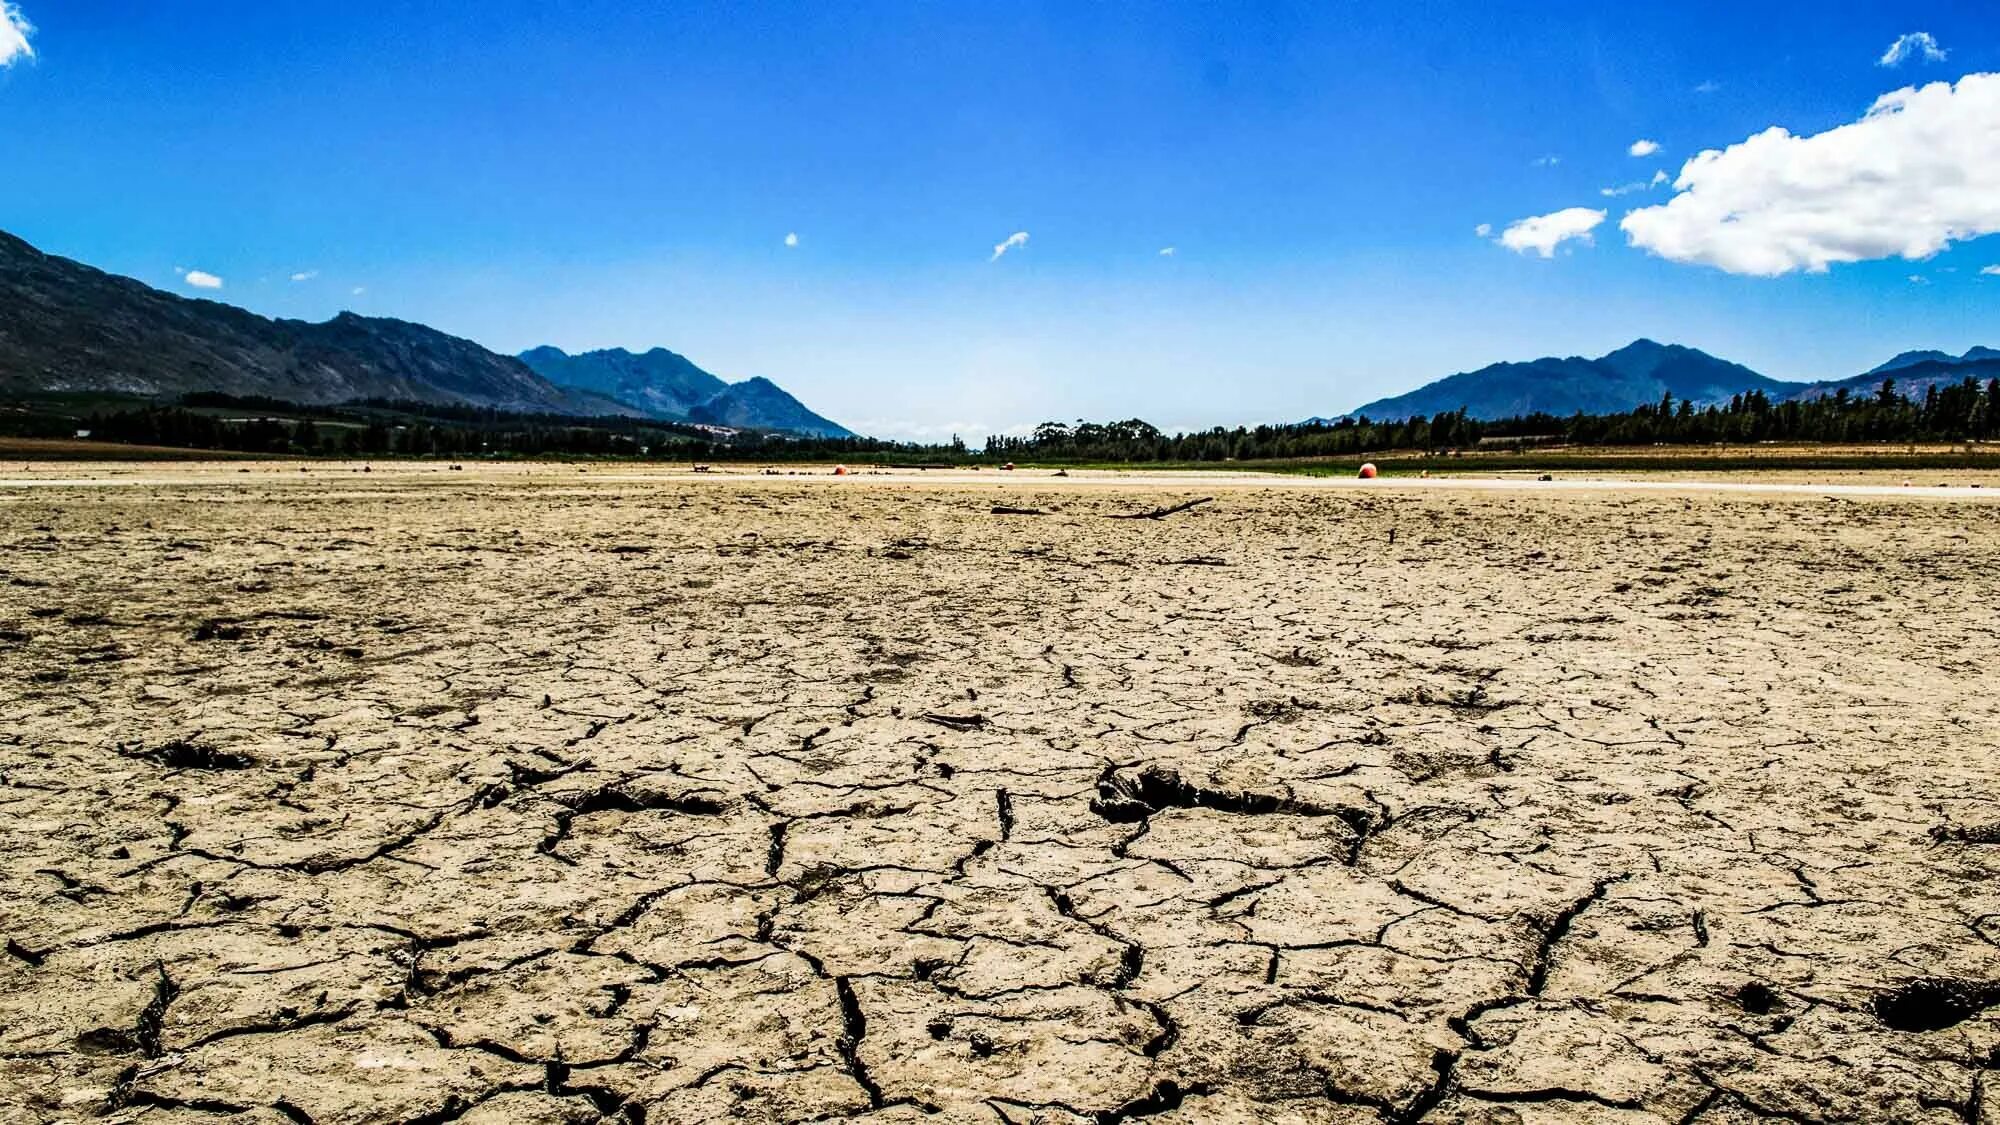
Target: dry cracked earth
{"x":489,"y":801}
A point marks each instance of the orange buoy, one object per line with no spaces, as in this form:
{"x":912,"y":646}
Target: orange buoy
{"x":1368,"y":470}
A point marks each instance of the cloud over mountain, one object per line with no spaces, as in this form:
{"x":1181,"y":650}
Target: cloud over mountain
{"x":1919,"y":171}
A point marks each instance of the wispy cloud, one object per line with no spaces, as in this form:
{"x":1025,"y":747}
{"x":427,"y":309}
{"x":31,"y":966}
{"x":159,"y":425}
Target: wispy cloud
{"x":1549,"y":161}
{"x":1708,"y":87}
{"x":1643,"y":147}
{"x":359,"y":290}
{"x":1918,"y":172}
{"x":201,"y":279}
{"x":792,"y":239}
{"x":1635,"y":186}
{"x":1543,"y":233}
{"x":1915,"y":45}
{"x":1018,"y":238}
{"x":305,"y":275}
{"x":14,"y":32}
{"x":1919,"y":279}
{"x":1483,"y":230}
{"x":1991,"y":271}
{"x":1166,"y":251}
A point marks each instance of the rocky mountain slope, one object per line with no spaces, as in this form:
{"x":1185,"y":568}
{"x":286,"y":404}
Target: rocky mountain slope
{"x":65,"y":326}
{"x":670,"y":387}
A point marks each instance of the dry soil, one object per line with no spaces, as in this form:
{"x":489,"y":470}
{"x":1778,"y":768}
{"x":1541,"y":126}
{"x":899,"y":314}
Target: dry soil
{"x":538,"y":797}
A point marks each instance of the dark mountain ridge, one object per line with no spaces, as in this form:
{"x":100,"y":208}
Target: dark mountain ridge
{"x":1643,"y":372}
{"x":670,"y":387}
{"x":65,"y":326}
{"x":68,"y":327}
{"x":659,"y":382}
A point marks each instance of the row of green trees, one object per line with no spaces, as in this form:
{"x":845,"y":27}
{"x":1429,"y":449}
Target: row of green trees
{"x":255,"y":425}
{"x":1963,"y":411}
{"x":1953,"y":412}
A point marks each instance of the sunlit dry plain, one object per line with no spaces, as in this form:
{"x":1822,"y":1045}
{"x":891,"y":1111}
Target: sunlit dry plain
{"x":543,"y":794}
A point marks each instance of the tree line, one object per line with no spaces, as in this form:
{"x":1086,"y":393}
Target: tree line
{"x":1957,"y":412}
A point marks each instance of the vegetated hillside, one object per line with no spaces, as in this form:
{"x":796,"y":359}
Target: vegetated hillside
{"x":65,"y":326}
{"x":661,"y":383}
{"x":669,"y":386}
{"x":1911,"y":359}
{"x":1641,"y":372}
{"x":761,"y":404}
{"x":1914,"y":373}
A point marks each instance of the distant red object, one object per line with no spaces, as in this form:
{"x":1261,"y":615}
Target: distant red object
{"x":1368,"y":470}
{"x":1008,"y":466}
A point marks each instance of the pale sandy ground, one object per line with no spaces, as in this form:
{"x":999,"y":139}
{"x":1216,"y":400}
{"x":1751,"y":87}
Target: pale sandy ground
{"x":536,"y":795}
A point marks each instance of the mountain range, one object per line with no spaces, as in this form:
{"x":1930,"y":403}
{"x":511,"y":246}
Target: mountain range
{"x":668,"y":386}
{"x":67,"y":327}
{"x":1643,"y":372}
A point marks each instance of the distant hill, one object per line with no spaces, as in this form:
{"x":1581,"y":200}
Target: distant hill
{"x":1639,"y":373}
{"x":1915,"y":376}
{"x":670,"y":387}
{"x":659,"y":382}
{"x":65,"y":326}
{"x":762,"y":404}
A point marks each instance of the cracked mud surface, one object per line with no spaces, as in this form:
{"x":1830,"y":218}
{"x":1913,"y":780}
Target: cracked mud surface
{"x":493,"y":801}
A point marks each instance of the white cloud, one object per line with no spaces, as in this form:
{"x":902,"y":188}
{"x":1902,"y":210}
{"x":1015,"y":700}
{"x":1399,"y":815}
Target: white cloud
{"x":359,"y":290}
{"x":1636,"y":185}
{"x":1483,"y":230}
{"x":201,"y":280}
{"x":1166,"y":251}
{"x":14,"y":32}
{"x":792,"y":239}
{"x":1991,"y":271}
{"x":1708,"y":87}
{"x":1643,"y":147}
{"x":1543,"y":233}
{"x":1917,"y":44}
{"x":1919,"y":279}
{"x":1018,"y":238}
{"x":1549,"y":161}
{"x":1919,"y":171}
{"x":305,"y":275}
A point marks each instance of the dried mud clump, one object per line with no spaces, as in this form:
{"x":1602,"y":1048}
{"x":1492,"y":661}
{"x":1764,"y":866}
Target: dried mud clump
{"x":518,"y":795}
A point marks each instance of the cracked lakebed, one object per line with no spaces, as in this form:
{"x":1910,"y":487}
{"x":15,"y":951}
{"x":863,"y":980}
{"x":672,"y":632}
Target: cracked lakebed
{"x":497,"y":800}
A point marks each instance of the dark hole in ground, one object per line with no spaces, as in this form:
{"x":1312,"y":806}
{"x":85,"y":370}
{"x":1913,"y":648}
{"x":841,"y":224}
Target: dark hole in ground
{"x":214,"y":630}
{"x":1757,"y":998}
{"x":180,"y":754}
{"x":1935,"y":1003}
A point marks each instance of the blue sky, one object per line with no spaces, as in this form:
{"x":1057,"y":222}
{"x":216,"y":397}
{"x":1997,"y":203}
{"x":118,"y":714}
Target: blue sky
{"x":595,"y":174}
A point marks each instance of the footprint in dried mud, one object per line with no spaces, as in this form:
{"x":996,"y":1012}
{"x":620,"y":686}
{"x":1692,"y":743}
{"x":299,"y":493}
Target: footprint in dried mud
{"x":180,"y":754}
{"x":1935,"y":1003}
{"x":1126,"y":797}
{"x":1966,"y":834}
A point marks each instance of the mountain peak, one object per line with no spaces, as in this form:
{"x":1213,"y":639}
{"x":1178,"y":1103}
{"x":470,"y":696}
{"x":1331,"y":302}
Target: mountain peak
{"x":666,"y":385}
{"x":1634,"y":375}
{"x":66,"y":326}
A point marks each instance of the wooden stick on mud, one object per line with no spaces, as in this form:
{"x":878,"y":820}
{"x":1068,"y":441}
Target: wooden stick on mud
{"x":1161,"y":513}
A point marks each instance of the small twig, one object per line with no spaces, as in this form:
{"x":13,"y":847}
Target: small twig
{"x":1161,"y":513}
